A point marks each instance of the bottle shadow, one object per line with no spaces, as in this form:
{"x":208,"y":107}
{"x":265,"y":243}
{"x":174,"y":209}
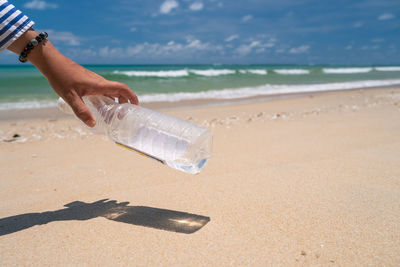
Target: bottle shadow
{"x":169,"y":220}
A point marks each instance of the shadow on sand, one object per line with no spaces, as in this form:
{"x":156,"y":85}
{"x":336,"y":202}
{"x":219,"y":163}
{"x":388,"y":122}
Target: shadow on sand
{"x":168,"y":220}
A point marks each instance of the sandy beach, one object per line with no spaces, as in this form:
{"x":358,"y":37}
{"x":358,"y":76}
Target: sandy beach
{"x":312,"y":180}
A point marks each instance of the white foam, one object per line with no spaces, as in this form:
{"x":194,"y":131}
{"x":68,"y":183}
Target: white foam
{"x":230,"y":93}
{"x":346,"y":70}
{"x":394,"y":68}
{"x":212,"y":72}
{"x":267,"y":89}
{"x":161,"y":73}
{"x":28,"y":105}
{"x":252,"y":71}
{"x":291,"y":71}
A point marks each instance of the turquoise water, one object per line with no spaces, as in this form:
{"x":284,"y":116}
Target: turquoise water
{"x":25,"y":87}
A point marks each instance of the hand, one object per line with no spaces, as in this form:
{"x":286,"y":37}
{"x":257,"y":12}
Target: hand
{"x":70,"y":80}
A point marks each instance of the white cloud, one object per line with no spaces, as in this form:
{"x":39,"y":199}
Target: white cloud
{"x":155,"y":50}
{"x":386,"y":16}
{"x":247,"y":18}
{"x":110,"y":52}
{"x":173,"y":47}
{"x":358,"y":24}
{"x":299,"y":50}
{"x":39,"y":5}
{"x":195,"y":44}
{"x":168,"y":6}
{"x":231,"y":38}
{"x":260,"y":47}
{"x":349,"y":47}
{"x":244,"y":50}
{"x":196,"y":6}
{"x":133,"y":29}
{"x":377,"y":40}
{"x":260,"y":50}
{"x":67,"y":38}
{"x":370,"y":47}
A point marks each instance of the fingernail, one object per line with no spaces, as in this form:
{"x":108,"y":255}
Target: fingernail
{"x":92,"y":123}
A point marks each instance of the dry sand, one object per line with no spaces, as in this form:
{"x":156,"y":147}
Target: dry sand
{"x":308,"y":181}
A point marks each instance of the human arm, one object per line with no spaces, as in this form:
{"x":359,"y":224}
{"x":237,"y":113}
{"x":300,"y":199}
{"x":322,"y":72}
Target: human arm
{"x":68,"y":79}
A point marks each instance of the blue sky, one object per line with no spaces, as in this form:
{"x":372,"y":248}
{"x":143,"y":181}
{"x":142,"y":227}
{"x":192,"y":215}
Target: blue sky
{"x":220,"y":31}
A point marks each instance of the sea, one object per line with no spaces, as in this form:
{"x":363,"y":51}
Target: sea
{"x":23,"y":87}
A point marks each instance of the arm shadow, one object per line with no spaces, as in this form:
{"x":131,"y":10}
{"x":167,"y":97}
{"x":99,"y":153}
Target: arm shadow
{"x":168,"y":220}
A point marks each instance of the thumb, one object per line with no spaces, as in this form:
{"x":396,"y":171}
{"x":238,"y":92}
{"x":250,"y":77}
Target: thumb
{"x":80,"y":109}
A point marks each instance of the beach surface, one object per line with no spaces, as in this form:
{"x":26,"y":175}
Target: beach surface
{"x":313,"y":180}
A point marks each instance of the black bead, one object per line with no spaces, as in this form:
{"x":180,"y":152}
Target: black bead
{"x":24,"y":54}
{"x":42,"y":35}
{"x":23,"y":59}
{"x":29,"y":45}
{"x":38,"y":38}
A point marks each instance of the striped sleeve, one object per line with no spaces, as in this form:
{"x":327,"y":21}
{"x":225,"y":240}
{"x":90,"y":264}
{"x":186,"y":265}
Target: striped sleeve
{"x":13,"y":23}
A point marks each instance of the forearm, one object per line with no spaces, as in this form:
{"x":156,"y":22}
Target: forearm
{"x":45,"y":56}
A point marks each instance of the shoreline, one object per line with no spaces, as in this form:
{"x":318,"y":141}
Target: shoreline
{"x":53,"y":113}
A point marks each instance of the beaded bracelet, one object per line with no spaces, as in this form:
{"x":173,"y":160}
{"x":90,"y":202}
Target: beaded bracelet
{"x":23,"y":57}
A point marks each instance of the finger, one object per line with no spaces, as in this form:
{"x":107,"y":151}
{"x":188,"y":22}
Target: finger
{"x":131,"y":96}
{"x":80,"y":109}
{"x":122,"y":100}
{"x":120,"y":89}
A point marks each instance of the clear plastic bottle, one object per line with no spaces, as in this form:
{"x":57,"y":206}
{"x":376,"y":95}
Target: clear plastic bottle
{"x":179,"y":144}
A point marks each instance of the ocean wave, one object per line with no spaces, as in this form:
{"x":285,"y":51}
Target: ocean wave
{"x":394,"y":68}
{"x":213,"y":72}
{"x":267,"y":89}
{"x":291,"y":71}
{"x":345,"y":70}
{"x":161,"y":73}
{"x":254,"y":71}
{"x":175,"y":73}
{"x":28,"y":104}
